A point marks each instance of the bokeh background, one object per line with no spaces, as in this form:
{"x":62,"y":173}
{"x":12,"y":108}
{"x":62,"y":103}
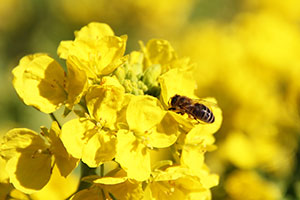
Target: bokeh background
{"x":248,"y":58}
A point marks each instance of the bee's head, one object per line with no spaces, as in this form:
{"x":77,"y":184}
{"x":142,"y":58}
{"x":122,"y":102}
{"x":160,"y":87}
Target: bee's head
{"x":174,"y":99}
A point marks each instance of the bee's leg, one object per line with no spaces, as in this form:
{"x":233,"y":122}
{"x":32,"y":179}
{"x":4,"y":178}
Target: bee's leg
{"x":198,"y":121}
{"x":178,"y":111}
{"x":192,"y":116}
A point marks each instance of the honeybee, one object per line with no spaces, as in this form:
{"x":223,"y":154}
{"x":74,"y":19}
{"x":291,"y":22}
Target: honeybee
{"x":194,"y":109}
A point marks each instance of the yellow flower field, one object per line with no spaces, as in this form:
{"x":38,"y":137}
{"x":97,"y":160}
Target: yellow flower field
{"x":150,"y":100}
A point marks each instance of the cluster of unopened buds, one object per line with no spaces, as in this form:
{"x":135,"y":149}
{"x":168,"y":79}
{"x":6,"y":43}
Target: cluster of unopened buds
{"x":123,"y":118}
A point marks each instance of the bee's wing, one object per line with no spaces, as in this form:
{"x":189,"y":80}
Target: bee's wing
{"x":209,"y":102}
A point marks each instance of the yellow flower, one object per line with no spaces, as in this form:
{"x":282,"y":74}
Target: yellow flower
{"x":109,"y":187}
{"x":158,"y":52}
{"x":42,"y":83}
{"x":39,"y":81}
{"x":105,"y":100}
{"x":28,"y":161}
{"x":85,"y":139}
{"x":161,"y":52}
{"x":30,"y":157}
{"x":93,"y":139}
{"x":96,"y":50}
{"x":149,"y":126}
{"x":197,"y":142}
{"x":175,"y":183}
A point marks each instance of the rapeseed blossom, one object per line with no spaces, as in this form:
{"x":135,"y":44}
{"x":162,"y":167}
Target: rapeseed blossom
{"x":37,"y":154}
{"x":121,"y":120}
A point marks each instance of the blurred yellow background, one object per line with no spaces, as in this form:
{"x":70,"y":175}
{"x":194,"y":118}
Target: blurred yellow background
{"x":247,"y":55}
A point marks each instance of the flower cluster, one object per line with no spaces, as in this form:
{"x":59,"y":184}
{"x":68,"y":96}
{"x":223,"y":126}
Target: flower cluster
{"x":122,"y":121}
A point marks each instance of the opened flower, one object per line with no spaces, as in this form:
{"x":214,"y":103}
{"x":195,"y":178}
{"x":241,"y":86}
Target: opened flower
{"x":30,"y":157}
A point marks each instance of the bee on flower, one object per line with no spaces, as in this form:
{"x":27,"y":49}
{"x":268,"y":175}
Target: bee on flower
{"x":194,"y":109}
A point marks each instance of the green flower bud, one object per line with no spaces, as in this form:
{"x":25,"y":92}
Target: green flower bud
{"x":131,"y":76}
{"x":151,"y":74}
{"x":142,"y":86}
{"x":120,"y":74}
{"x":128,"y":86}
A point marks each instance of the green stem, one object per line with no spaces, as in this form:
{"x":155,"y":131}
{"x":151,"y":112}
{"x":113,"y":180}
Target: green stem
{"x":102,"y":170}
{"x":291,"y":189}
{"x":55,"y":119}
{"x":82,"y":103}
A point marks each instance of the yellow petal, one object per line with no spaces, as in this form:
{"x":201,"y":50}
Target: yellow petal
{"x":133,"y":156}
{"x":127,"y":190}
{"x":3,"y":174}
{"x":105,"y":101}
{"x":176,"y":81}
{"x":76,"y":84}
{"x":95,"y":50}
{"x":19,"y":140}
{"x":174,"y":183}
{"x":29,"y":168}
{"x":75,"y":134}
{"x":93,"y":31}
{"x":19,"y":71}
{"x":165,"y":133}
{"x":118,"y":185}
{"x":112,"y":49}
{"x":17,"y":194}
{"x":197,"y":142}
{"x":208,"y":179}
{"x":64,"y":48}
{"x":159,"y":52}
{"x":110,"y":180}
{"x":39,"y":81}
{"x":143,"y":113}
{"x":64,"y":161}
{"x":171,"y":173}
{"x":99,"y":148}
{"x":58,"y":187}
